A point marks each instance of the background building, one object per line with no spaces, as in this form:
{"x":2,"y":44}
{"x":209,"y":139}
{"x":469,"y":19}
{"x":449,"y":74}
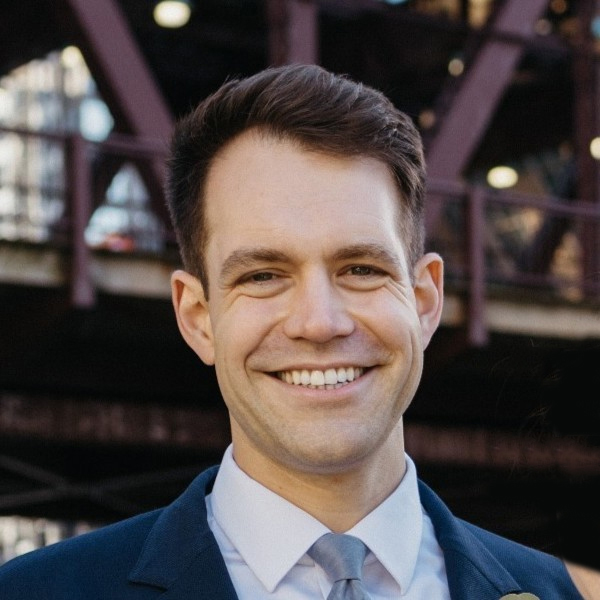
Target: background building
{"x":104,"y":412}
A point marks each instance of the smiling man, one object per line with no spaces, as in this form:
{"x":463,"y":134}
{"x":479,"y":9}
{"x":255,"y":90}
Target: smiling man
{"x":315,"y":320}
{"x":297,"y":197}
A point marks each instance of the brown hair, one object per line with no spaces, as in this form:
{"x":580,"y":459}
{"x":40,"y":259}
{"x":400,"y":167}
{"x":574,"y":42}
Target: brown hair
{"x":321,"y":111}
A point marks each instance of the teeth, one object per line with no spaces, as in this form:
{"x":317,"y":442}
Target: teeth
{"x":304,"y":377}
{"x":317,"y":378}
{"x":321,"y":379}
{"x":330,"y":377}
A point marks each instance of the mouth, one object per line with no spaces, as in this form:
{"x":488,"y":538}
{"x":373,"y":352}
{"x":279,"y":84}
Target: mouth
{"x":329,"y":379}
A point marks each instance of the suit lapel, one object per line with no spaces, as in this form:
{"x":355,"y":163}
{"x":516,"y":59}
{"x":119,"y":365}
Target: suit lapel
{"x":206,"y":579}
{"x":472,"y":571}
{"x":181,"y":555}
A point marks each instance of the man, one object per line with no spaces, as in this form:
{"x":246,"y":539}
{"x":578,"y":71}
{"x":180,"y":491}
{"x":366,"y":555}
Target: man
{"x":297,"y":198}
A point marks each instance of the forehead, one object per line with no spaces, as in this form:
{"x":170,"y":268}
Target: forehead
{"x":260,"y":186}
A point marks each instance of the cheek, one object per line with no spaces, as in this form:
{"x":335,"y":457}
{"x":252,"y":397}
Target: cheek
{"x":401,"y":291}
{"x":240,"y":329}
{"x":393,"y":311}
{"x":394,"y":321}
{"x":401,"y":300}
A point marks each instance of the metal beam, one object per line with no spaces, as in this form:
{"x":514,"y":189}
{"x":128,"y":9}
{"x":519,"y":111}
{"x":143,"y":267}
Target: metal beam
{"x":293,"y":31}
{"x":586,"y":75}
{"x":480,"y":447}
{"x":85,"y":421}
{"x":123,"y":77}
{"x":79,"y":183}
{"x":462,"y":128}
{"x":58,"y":488}
{"x":119,"y":67}
{"x":113,"y":423}
{"x":105,"y":492}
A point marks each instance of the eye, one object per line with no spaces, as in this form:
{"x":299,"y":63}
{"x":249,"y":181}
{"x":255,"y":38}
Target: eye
{"x":262,"y":284}
{"x":363,"y":271}
{"x":260,"y":277}
{"x":363,"y":277}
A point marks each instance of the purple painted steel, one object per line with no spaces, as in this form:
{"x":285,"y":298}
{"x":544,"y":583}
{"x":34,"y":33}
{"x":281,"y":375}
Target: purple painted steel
{"x":276,"y":15}
{"x":76,"y":420}
{"x":79,"y":177}
{"x":293,"y":31}
{"x":303,"y":32}
{"x":119,"y":66}
{"x":586,"y":74}
{"x":488,"y":447}
{"x":476,"y":326}
{"x":485,"y":80}
{"x":125,"y":81}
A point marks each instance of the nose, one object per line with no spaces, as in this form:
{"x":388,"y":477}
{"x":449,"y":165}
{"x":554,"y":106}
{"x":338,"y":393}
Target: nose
{"x":318,"y":311}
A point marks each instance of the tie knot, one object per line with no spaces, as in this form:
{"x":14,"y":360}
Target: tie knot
{"x":340,"y":556}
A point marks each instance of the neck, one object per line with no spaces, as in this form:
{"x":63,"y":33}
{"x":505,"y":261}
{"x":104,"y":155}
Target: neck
{"x":338,"y":499}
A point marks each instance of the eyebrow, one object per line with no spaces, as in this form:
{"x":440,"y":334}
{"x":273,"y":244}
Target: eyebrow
{"x":243,"y":258}
{"x":368,"y":250}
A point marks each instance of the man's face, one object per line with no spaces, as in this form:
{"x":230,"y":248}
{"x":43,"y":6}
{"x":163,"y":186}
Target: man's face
{"x":313,"y":324}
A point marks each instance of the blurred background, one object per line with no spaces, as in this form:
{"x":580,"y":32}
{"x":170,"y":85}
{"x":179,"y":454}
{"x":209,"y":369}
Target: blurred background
{"x":104,"y":412}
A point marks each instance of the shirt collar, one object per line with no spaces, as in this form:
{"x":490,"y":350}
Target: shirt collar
{"x":270,"y":533}
{"x":255,"y":524}
{"x":397,"y":546}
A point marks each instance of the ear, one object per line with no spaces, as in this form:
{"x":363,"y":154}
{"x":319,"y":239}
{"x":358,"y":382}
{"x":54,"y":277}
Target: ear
{"x":191,"y":311}
{"x":429,"y":293}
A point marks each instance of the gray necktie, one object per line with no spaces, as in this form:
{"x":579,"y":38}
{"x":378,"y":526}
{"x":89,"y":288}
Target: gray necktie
{"x":342,"y":558}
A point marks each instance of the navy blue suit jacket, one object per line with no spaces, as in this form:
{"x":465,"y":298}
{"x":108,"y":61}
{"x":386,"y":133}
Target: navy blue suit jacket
{"x":171,"y":554}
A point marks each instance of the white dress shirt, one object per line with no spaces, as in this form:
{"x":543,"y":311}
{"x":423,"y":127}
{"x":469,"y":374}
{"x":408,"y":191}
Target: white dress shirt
{"x":264,"y":539}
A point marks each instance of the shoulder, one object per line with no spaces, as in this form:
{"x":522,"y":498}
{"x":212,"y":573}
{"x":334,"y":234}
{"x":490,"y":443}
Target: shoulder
{"x":511,"y":553}
{"x":91,"y":561}
{"x":532,"y":568}
{"x":99,"y":565}
{"x":494,"y":558}
{"x":457,"y":534}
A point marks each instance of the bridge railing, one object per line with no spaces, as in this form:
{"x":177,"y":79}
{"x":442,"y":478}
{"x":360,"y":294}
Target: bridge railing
{"x":533,"y":247}
{"x":491,"y":241}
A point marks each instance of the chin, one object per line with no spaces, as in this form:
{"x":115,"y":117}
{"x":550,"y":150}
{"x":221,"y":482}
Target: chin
{"x":330,"y":457}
